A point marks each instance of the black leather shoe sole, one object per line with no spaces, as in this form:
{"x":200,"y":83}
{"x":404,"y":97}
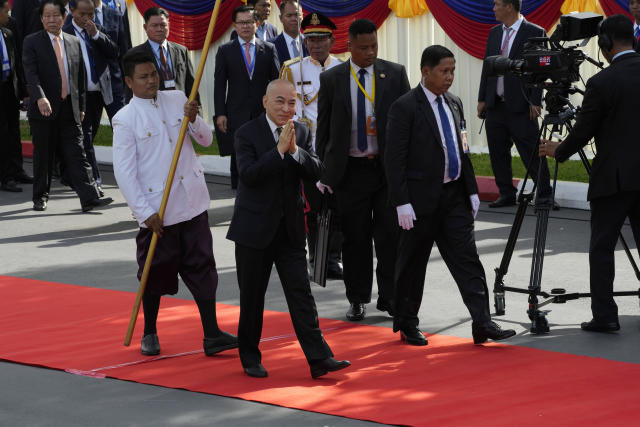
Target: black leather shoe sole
{"x":354,"y":315}
{"x":600,"y":327}
{"x":414,"y":340}
{"x":39,"y":206}
{"x":320,"y":370}
{"x":256,"y":371}
{"x":479,"y":337}
{"x":96,"y":203}
{"x":150,"y":346}
{"x":216,"y":345}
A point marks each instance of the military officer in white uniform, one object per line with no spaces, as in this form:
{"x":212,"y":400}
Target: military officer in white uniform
{"x":305,"y":75}
{"x":145,"y":133}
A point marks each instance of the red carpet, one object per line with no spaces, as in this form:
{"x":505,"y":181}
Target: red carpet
{"x":450,"y":382}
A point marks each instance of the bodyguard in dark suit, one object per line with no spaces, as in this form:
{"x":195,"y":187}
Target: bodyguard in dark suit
{"x":511,"y":109}
{"x":351,"y":140}
{"x":634,"y":10}
{"x":27,"y":18}
{"x":287,"y":43}
{"x":54,"y":71}
{"x":172,"y":61}
{"x":244,"y":67}
{"x":274,"y":154}
{"x":12,"y":91}
{"x":97,"y":51}
{"x":431,"y":182}
{"x":609,"y":114}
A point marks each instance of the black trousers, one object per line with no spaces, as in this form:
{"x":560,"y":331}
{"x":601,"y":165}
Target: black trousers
{"x":451,"y":228}
{"x":505,"y":128}
{"x":367,"y":217}
{"x":10,"y":141}
{"x":254,"y":268}
{"x":63,"y":133}
{"x":607,"y":217}
{"x":90,"y":126}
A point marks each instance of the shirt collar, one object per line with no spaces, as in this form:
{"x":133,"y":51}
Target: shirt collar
{"x":326,"y":61}
{"x":289,"y":39}
{"x":78,"y":28}
{"x":516,"y":25}
{"x":52,"y":36}
{"x":356,"y":69}
{"x":431,"y":97}
{"x":145,"y":103}
{"x":251,"y":42}
{"x":624,"y":52}
{"x":271,"y":124}
{"x":155,"y":45}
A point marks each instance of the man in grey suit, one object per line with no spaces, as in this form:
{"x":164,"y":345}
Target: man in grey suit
{"x":54,"y":71}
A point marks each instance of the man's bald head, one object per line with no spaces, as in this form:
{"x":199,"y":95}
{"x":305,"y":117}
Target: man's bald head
{"x":280,"y":101}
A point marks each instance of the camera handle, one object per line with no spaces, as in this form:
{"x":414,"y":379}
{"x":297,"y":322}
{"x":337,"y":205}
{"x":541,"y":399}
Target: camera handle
{"x":539,"y":323}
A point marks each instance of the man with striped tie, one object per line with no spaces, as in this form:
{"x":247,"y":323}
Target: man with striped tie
{"x":634,"y":10}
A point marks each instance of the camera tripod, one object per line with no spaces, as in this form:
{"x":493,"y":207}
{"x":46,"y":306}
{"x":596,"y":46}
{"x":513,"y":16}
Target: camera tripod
{"x":559,"y":118}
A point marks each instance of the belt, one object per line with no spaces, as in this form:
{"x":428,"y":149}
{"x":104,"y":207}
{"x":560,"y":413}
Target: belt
{"x":369,"y":158}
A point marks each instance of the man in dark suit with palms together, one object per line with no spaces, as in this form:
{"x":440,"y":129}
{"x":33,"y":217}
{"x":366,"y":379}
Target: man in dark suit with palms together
{"x":431,"y":182}
{"x":353,"y":101}
{"x":267,"y":226}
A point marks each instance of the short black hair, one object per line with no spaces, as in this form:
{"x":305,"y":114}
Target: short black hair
{"x":284,"y":3}
{"x":3,"y":2}
{"x":154,"y":11}
{"x":432,"y":55}
{"x":517,"y":4}
{"x":73,"y":4}
{"x":618,"y":28}
{"x":252,"y":2}
{"x":58,"y":3}
{"x":242,"y":9}
{"x":133,"y":58}
{"x":361,"y":26}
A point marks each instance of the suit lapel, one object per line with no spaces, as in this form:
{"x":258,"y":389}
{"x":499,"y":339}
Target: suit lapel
{"x":344,"y":85}
{"x":520,"y":38}
{"x":427,"y":112}
{"x":380,"y":75}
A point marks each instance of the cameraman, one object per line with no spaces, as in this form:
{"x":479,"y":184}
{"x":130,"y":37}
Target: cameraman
{"x":609,"y":114}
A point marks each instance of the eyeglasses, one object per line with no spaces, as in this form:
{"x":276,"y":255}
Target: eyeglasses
{"x":49,"y":17}
{"x":245,"y":23}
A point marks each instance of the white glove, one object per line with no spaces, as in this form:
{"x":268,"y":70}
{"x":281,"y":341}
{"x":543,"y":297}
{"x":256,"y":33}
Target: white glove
{"x":406,"y":216}
{"x":475,"y":204}
{"x":321,"y":188}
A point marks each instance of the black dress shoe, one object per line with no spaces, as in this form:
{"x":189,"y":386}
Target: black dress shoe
{"x":595,"y":326}
{"x":95,"y":203}
{"x":490,"y":330}
{"x":11,"y":186}
{"x":224,"y":341}
{"x":356,"y":312}
{"x":413,"y":336}
{"x":23,"y":178}
{"x":257,"y":371}
{"x":39,"y":205}
{"x":503,"y":201}
{"x":323,"y":367}
{"x":150,"y":346}
{"x":334,"y":271}
{"x":383,"y":305}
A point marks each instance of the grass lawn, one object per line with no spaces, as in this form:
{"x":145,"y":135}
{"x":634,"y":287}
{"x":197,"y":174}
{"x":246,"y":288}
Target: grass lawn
{"x":571,"y":170}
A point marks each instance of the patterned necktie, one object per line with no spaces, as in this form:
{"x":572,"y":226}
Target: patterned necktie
{"x":296,"y":52}
{"x":362,"y":114}
{"x":92,"y":62}
{"x":167,"y":74}
{"x":63,"y":74}
{"x":637,"y":33}
{"x":5,"y":73}
{"x":504,"y":51}
{"x":452,"y":150}
{"x":278,"y":131}
{"x":247,"y":57}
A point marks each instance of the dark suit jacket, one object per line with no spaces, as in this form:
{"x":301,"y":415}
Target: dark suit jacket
{"x":113,"y":23}
{"x":43,"y":77}
{"x":182,"y":68}
{"x":333,"y":136}
{"x":414,"y":156}
{"x":609,"y":113}
{"x":27,"y":17}
{"x":15,"y":61}
{"x":104,"y":51}
{"x":234,"y":94}
{"x":270,"y":187}
{"x":283,"y":50}
{"x":513,"y":87}
{"x":270,"y":30}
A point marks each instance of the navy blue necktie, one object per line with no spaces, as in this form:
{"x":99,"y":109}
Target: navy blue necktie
{"x":92,"y":62}
{"x":637,"y":33}
{"x":5,"y":73}
{"x":452,"y":150}
{"x":362,"y":115}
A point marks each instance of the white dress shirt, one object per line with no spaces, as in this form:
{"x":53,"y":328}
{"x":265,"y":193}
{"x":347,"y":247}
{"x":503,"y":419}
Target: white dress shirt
{"x":512,"y":36}
{"x":274,"y":131}
{"x":372,"y":141}
{"x":252,"y":52}
{"x":289,"y":40}
{"x":91,"y":86}
{"x":431,"y":97}
{"x":145,"y":132}
{"x":64,"y":55}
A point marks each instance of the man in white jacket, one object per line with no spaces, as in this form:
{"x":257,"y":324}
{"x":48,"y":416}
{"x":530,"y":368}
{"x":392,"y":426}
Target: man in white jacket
{"x":145,"y":133}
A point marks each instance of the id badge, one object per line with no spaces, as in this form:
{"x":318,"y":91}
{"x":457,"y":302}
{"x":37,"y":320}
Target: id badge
{"x":372,"y":129}
{"x":6,"y":66}
{"x":465,"y":143}
{"x":169,"y":84}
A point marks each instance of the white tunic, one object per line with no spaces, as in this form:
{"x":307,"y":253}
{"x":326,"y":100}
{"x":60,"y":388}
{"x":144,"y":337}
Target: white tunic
{"x":307,"y":87}
{"x":144,"y":136}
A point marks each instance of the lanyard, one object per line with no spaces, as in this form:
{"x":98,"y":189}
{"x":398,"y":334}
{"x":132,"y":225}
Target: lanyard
{"x":244,"y":56}
{"x":373,"y":86}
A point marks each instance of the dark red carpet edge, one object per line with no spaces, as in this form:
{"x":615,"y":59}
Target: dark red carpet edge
{"x":450,"y":382}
